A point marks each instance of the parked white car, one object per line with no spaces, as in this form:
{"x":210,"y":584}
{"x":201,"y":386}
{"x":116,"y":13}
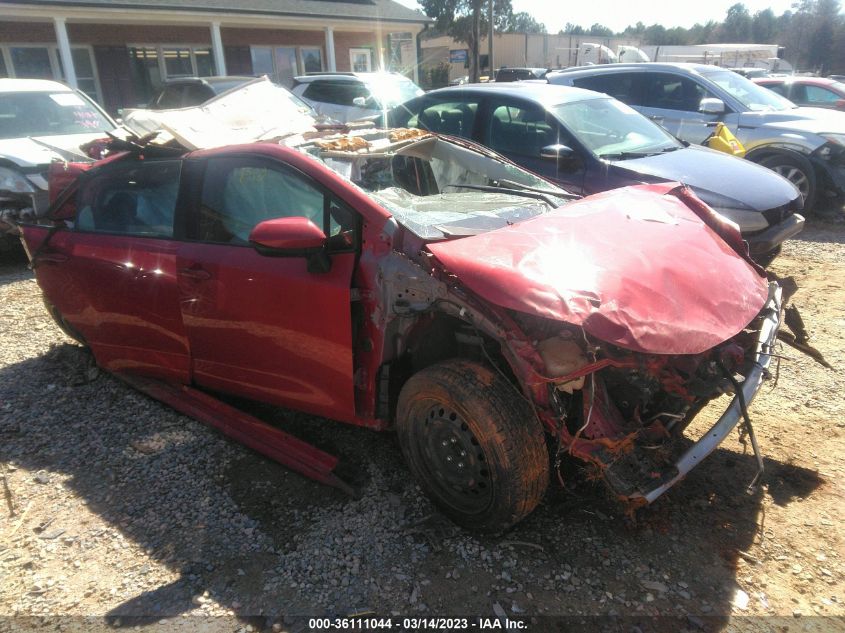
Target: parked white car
{"x":40,"y":121}
{"x":350,"y":96}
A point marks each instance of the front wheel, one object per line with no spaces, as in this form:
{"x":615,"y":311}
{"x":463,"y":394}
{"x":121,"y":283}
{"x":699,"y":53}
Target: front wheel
{"x":798,"y":171}
{"x":473,"y":444}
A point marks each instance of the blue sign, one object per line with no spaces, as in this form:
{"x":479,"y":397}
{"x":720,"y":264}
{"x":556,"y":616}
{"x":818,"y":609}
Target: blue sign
{"x":458,"y":56}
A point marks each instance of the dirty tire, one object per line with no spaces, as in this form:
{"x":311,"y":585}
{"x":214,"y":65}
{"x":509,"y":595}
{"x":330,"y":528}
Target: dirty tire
{"x":473,"y":444}
{"x":797,"y":170}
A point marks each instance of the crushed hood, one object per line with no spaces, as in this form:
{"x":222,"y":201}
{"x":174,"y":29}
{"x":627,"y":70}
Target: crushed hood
{"x":636,"y":267}
{"x":33,"y":152}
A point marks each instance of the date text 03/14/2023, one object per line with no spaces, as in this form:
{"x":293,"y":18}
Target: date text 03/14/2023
{"x":415,"y":623}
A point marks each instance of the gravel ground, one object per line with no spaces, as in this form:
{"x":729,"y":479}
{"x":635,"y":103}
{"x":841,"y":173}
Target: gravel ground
{"x":118,"y":510}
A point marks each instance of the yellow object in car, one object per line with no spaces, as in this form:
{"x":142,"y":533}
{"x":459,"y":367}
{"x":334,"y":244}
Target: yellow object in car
{"x":723,"y":140}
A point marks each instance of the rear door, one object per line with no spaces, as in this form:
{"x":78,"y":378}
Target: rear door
{"x":260,"y":326}
{"x":110,"y":273}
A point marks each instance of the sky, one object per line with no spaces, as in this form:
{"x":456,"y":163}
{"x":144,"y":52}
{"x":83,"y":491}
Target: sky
{"x":617,"y":14}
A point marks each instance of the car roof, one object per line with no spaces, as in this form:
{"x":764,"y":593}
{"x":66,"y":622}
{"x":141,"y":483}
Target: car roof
{"x":208,"y":80}
{"x":533,"y":91}
{"x":819,"y":81}
{"x":609,"y":68}
{"x":32,"y":85}
{"x":348,"y":76}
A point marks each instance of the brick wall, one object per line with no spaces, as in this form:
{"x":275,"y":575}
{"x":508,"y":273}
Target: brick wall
{"x":27,"y":32}
{"x":272,"y":37}
{"x":115,"y":34}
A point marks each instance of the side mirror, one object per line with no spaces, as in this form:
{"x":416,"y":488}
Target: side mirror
{"x":711,"y":105}
{"x":294,"y":235}
{"x":557,"y":152}
{"x":361,"y":102}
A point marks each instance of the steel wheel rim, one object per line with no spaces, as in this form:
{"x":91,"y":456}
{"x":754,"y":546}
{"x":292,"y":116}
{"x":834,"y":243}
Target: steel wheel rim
{"x":795,"y":176}
{"x":456,"y":463}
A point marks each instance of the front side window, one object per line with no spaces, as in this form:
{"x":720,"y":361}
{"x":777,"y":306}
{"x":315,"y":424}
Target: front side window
{"x":816,"y":95}
{"x":133,"y":198}
{"x":239,"y":193}
{"x":522,"y":130}
{"x":750,"y":95}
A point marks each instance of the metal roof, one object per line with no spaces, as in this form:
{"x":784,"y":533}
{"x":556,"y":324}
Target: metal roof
{"x":384,"y":10}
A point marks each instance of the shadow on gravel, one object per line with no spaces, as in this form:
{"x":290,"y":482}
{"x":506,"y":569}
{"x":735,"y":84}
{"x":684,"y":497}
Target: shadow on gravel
{"x":230,"y":522}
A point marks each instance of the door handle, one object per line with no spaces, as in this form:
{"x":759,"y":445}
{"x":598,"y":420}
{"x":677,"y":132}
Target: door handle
{"x":195,"y":272}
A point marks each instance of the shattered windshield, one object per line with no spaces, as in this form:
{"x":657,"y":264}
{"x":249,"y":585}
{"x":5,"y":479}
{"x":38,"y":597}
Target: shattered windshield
{"x":440,"y":190}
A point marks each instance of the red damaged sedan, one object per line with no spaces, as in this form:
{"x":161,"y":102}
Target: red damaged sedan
{"x":398,"y":280}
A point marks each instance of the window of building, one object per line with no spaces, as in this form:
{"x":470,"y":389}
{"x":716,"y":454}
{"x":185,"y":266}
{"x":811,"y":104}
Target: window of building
{"x":34,"y":61}
{"x":282,"y":63}
{"x":361,"y":60}
{"x":312,"y":59}
{"x":151,"y":64}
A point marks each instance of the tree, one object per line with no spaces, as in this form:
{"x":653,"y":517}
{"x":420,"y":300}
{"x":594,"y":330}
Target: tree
{"x":522,"y":22}
{"x":764,"y":27}
{"x":572,"y":29}
{"x":737,"y":25}
{"x":465,"y":21}
{"x":601,"y":30}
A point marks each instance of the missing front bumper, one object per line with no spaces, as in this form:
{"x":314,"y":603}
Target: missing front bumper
{"x":694,"y":455}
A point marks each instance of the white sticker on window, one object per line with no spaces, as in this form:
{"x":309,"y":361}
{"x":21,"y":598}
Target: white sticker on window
{"x":67,"y":99}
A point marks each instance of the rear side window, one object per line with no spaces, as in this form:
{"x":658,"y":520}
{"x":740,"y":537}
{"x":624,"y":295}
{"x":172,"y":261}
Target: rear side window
{"x":621,"y":86}
{"x":456,"y":118}
{"x":171,"y":97}
{"x":336,"y":92}
{"x":819,"y":95}
{"x":195,"y":94}
{"x":673,"y":92}
{"x":134,"y":198}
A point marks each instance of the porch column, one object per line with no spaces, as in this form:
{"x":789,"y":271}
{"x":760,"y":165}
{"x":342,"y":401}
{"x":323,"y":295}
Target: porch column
{"x":332,"y":63}
{"x":64,"y":51}
{"x":217,"y":49}
{"x":416,"y":60}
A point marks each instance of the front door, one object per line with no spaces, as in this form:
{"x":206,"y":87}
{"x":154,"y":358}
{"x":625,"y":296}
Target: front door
{"x":260,"y":326}
{"x":520,"y":130}
{"x":672,"y":101}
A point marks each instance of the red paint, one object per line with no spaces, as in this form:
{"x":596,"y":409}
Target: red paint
{"x":634,"y":268}
{"x":288,"y":234}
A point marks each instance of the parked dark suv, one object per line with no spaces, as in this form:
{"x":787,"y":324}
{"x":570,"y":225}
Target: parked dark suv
{"x":805,"y":145}
{"x":191,"y":91}
{"x":520,"y":74}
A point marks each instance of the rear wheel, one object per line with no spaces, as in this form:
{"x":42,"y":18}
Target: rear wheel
{"x":473,"y":444}
{"x":798,"y":171}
